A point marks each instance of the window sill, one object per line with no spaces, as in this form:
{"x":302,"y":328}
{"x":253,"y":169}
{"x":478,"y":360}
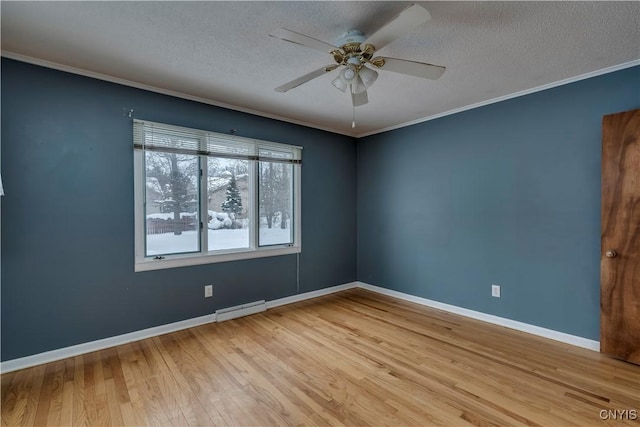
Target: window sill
{"x":175,"y":261}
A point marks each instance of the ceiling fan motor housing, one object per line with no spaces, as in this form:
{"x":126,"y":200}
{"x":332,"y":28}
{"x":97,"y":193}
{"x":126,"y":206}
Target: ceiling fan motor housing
{"x":351,"y":36}
{"x":351,"y":50}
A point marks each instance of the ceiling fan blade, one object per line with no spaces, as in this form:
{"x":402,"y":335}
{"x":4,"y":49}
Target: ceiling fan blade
{"x":301,"y":39}
{"x":407,"y":20}
{"x":412,"y":68}
{"x":309,"y":76}
{"x":359,"y":99}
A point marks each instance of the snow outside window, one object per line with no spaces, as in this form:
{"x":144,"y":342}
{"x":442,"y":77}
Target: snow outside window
{"x":202,"y":197}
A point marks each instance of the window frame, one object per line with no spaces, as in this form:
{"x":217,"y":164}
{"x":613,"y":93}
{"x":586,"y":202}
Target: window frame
{"x":204,"y":256}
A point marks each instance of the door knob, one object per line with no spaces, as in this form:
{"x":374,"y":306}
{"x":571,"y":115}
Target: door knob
{"x":611,"y":253}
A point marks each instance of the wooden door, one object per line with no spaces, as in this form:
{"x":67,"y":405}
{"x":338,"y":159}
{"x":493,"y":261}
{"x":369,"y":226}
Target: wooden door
{"x":620,"y":257}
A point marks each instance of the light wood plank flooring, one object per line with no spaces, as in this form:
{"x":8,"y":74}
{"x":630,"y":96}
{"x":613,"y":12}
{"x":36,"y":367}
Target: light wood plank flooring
{"x":351,"y":358}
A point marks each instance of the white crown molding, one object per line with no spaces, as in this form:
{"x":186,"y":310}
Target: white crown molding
{"x":75,"y":350}
{"x":506,"y":97}
{"x":138,"y":85}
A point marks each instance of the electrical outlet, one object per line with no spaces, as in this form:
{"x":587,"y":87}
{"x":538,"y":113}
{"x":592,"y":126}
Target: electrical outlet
{"x":208,"y":291}
{"x":495,"y":291}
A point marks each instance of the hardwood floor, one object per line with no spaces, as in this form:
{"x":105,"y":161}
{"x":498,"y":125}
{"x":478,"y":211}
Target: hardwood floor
{"x":351,"y":358}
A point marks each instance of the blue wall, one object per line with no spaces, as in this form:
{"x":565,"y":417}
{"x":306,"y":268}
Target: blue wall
{"x":508,"y":193}
{"x":67,"y":217}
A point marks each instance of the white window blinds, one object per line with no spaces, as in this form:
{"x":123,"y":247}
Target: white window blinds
{"x":151,"y":136}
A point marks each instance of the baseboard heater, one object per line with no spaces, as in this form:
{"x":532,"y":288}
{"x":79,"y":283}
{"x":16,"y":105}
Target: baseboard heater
{"x":240,"y":310}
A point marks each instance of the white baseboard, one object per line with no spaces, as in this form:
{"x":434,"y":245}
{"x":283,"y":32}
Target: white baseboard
{"x":309,"y":295}
{"x":501,"y":321}
{"x":242,"y":310}
{"x":88,"y":347}
{"x":76,"y":350}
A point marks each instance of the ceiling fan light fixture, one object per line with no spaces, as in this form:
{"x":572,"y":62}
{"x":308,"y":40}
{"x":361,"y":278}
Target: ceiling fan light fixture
{"x":358,"y":86}
{"x":345,"y":78}
{"x":340,"y":83}
{"x":368,"y":76}
{"x":348,"y":74}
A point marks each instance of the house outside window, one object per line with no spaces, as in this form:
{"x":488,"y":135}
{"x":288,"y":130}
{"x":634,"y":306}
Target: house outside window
{"x":203,"y":197}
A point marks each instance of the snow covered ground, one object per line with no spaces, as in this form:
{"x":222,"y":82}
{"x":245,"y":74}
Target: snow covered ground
{"x":169,"y":243}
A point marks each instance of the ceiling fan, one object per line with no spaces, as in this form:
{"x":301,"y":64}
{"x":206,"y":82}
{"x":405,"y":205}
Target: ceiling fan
{"x":354,"y":52}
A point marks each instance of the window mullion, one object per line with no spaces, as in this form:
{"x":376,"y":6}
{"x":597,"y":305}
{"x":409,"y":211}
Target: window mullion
{"x":204,"y":205}
{"x":139,"y":208}
{"x":254,"y":221}
{"x":297,"y":205}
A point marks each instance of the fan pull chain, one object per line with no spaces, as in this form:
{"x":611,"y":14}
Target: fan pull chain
{"x":353,"y":122}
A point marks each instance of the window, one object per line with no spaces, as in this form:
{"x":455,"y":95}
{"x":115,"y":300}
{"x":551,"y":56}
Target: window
{"x":203,"y":197}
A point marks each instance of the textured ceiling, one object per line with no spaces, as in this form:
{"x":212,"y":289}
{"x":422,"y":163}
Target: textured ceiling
{"x":220,"y":52}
